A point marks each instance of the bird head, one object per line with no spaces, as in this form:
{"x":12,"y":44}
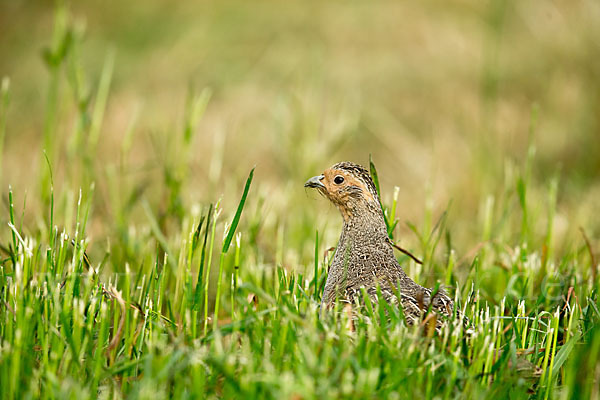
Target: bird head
{"x":350,"y":187}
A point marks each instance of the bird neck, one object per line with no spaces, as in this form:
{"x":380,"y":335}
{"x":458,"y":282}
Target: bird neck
{"x":365,"y":224}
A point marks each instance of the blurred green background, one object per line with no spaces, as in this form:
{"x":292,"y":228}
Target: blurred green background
{"x":448,"y":97}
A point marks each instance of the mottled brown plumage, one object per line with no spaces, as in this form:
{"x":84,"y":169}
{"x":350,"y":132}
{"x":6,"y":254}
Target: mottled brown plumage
{"x":364,"y":257}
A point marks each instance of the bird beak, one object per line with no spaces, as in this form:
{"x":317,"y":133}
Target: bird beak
{"x":315,"y":182}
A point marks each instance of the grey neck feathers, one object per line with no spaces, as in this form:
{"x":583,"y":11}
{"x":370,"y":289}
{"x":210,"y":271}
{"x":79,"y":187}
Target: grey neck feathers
{"x":365,"y":221}
{"x":364,"y":232}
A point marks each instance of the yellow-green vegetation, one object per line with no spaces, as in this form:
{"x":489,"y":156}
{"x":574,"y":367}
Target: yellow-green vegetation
{"x":157,"y":240}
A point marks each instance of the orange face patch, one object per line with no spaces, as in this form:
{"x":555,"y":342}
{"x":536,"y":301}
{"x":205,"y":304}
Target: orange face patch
{"x":335,"y":181}
{"x":349,"y":180}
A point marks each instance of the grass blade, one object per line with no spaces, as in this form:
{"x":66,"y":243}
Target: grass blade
{"x":238,"y":213}
{"x":375,"y":177}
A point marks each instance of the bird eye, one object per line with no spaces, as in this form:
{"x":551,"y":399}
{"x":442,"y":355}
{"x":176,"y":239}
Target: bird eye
{"x":338,"y":179}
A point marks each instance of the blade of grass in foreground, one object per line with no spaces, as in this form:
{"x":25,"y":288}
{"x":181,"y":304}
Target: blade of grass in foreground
{"x":238,"y":213}
{"x":316,"y":275}
{"x":227,"y":243}
{"x":217,"y":212}
{"x":198,"y":291}
{"x":375,"y":178}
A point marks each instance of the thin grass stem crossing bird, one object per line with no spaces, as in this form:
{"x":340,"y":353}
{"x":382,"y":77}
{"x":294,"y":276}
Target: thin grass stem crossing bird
{"x":364,"y":257}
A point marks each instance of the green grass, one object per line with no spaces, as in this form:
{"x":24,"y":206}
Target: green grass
{"x":115,"y":283}
{"x":70,"y":329}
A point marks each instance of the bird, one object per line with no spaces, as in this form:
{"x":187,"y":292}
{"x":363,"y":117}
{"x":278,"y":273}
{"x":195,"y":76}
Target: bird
{"x":364,"y":257}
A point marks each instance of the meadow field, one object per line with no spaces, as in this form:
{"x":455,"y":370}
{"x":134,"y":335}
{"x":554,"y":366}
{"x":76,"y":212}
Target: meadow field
{"x":157,"y":240}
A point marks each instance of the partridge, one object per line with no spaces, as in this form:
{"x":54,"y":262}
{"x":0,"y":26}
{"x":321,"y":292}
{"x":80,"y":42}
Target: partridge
{"x":364,"y":257}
